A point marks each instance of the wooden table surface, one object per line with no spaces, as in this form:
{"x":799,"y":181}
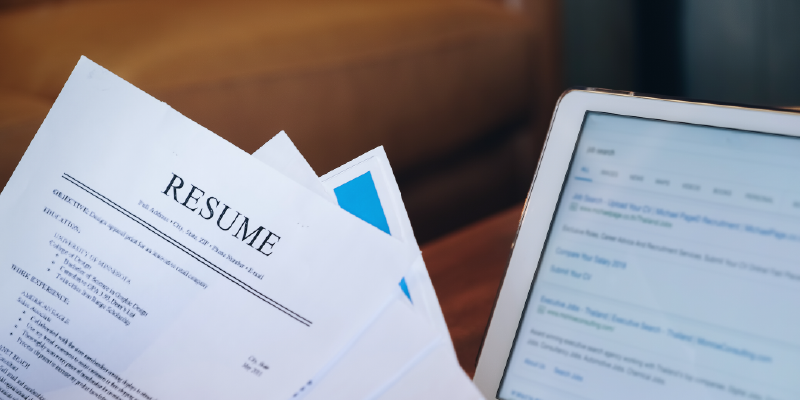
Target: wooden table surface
{"x":466,"y":268}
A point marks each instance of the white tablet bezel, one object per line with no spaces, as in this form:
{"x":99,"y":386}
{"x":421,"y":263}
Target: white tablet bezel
{"x":547,"y":185}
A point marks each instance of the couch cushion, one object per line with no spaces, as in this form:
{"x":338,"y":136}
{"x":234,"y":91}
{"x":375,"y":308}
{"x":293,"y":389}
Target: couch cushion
{"x":418,"y":76}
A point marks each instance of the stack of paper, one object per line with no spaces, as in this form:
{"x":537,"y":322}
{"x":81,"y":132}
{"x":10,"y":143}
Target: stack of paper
{"x":143,"y":257}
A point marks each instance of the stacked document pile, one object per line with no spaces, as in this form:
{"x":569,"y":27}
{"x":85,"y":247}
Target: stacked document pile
{"x":143,"y":257}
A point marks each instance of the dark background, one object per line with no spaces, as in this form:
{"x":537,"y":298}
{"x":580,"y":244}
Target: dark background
{"x":730,"y":51}
{"x":460,"y":92}
{"x":741,"y":51}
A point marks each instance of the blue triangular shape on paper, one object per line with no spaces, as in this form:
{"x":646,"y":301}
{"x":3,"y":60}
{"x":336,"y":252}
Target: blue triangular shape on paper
{"x":404,"y":287}
{"x":360,"y":198}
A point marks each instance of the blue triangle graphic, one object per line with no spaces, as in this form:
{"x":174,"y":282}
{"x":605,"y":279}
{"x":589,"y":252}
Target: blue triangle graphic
{"x":404,"y":287}
{"x":360,"y":198}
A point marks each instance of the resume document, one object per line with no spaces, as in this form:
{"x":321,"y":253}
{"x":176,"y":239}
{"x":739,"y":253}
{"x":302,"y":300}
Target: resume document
{"x":143,"y":257}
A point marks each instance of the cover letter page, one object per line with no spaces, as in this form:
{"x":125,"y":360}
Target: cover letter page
{"x":143,"y":257}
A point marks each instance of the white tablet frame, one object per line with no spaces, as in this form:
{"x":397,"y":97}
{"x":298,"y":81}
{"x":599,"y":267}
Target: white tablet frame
{"x":547,"y":184}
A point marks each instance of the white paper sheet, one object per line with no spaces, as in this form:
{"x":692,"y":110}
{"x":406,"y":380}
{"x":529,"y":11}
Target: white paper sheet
{"x":378,"y":355}
{"x":376,"y":162}
{"x":403,"y":324}
{"x":281,"y":154}
{"x":115,"y":278}
{"x":435,"y":375}
{"x":280,"y":151}
{"x":371,"y":355}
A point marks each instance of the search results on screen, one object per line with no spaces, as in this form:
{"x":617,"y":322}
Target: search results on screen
{"x":669,"y":270}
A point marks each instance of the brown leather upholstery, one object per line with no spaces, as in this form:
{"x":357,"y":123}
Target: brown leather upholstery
{"x":20,"y":117}
{"x":341,"y":77}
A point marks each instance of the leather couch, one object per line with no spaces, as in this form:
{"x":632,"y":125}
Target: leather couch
{"x":449,"y":87}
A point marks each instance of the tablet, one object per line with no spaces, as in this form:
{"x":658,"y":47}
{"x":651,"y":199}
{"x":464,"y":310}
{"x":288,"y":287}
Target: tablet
{"x":658,"y":257}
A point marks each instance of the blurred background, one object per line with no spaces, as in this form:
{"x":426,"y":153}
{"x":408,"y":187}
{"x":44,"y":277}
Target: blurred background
{"x":459,"y":92}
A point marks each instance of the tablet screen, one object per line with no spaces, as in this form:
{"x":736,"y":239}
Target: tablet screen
{"x":671,"y":269}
